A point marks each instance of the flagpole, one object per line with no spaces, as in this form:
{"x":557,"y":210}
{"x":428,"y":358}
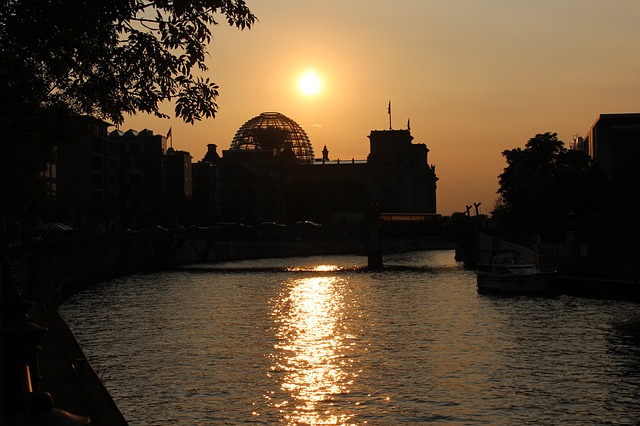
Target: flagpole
{"x":389,"y":111}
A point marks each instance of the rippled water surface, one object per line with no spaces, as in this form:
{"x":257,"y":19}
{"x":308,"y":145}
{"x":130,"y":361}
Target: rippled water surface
{"x":320,"y":340}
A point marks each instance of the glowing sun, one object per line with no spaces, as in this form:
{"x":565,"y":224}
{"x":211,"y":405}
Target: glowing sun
{"x":310,"y":83}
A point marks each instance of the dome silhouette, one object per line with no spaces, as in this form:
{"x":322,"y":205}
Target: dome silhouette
{"x":272,"y":130}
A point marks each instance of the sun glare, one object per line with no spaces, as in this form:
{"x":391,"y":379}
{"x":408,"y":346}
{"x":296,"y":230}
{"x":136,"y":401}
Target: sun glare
{"x":310,"y":83}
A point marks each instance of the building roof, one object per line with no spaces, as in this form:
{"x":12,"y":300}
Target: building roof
{"x":273,"y":131}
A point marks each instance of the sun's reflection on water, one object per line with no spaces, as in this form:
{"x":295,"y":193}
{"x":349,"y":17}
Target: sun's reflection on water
{"x":311,"y":351}
{"x":315,"y":268}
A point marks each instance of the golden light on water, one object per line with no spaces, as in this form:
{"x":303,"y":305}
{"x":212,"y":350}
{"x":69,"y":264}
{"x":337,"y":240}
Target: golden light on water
{"x":311,"y":350}
{"x":315,"y":268}
{"x":326,"y":268}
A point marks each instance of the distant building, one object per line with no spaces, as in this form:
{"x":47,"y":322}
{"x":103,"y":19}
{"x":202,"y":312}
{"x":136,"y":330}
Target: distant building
{"x":179,"y":187}
{"x":612,"y":142}
{"x":400,"y":177}
{"x":141,"y":171}
{"x":207,"y":188}
{"x":85,"y":176}
{"x":270,"y":174}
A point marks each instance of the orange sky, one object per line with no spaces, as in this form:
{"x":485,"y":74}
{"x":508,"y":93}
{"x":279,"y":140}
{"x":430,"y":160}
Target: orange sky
{"x":475,"y":77}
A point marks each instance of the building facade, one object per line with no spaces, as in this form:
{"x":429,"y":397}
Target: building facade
{"x":179,"y":187}
{"x":268,"y":174}
{"x":612,"y":142}
{"x":207,"y":188}
{"x":400,"y":178}
{"x":86,"y":177}
{"x":142,"y":176}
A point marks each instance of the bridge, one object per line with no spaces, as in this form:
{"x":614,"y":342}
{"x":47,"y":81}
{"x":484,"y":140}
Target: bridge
{"x":195,"y":244}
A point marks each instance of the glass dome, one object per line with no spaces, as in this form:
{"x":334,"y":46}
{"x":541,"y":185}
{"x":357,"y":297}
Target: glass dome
{"x":272,"y":130}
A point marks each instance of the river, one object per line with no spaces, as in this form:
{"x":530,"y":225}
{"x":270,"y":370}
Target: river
{"x":321,"y":340}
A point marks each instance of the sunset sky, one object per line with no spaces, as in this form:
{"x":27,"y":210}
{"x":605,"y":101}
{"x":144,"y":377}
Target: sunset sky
{"x":475,"y":77}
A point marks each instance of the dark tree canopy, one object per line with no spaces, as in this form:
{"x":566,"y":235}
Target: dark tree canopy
{"x":60,"y":59}
{"x":543,"y":184}
{"x":107,"y":58}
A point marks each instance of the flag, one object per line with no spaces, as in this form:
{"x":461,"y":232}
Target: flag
{"x":408,"y":124}
{"x":389,"y":108}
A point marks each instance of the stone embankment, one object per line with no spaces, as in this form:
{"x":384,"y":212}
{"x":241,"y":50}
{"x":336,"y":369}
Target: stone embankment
{"x":55,"y":269}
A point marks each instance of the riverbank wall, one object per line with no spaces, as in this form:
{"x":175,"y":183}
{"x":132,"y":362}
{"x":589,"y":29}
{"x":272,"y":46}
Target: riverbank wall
{"x":52,"y":271}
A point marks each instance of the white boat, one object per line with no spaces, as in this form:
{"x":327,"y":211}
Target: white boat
{"x":507,"y":272}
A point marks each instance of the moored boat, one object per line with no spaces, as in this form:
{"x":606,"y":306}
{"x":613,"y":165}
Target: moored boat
{"x":507,"y":272}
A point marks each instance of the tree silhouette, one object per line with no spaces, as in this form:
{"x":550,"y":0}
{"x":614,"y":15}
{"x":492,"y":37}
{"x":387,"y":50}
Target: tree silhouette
{"x":103,"y":59}
{"x":106,"y":58}
{"x":543,"y":184}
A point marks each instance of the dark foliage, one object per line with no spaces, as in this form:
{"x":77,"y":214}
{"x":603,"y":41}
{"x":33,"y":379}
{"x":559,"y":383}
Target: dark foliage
{"x":544,"y":186}
{"x":105,"y":59}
